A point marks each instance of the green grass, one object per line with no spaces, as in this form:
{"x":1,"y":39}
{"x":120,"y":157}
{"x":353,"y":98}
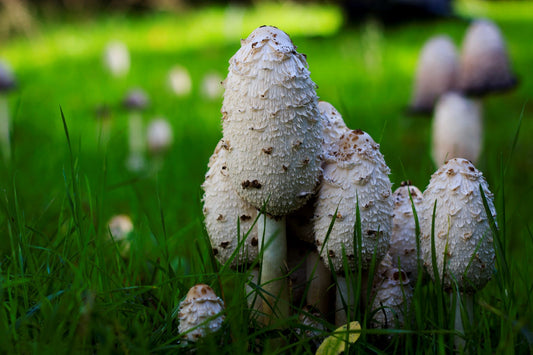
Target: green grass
{"x":64,"y":286}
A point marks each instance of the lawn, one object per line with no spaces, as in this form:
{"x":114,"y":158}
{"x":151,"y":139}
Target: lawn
{"x":64,"y":285}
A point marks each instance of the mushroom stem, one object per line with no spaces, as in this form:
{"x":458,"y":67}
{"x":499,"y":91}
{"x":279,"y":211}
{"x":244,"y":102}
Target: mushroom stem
{"x":465,"y":300}
{"x":344,"y":302}
{"x":5,"y":144}
{"x":136,"y":142}
{"x":273,"y":247}
{"x":319,"y":278}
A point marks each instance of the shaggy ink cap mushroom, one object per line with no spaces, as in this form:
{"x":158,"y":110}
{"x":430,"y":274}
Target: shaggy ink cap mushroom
{"x":457,"y":129}
{"x":7,"y":79}
{"x":463,"y":235}
{"x":224,"y":211}
{"x":355,"y":174}
{"x":484,"y":63}
{"x":136,"y":99}
{"x":333,"y":125}
{"x":437,"y":71}
{"x":271,"y":123}
{"x":403,"y":238}
{"x":200,"y":309}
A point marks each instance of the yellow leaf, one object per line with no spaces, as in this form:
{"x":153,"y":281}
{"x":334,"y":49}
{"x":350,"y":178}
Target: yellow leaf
{"x":336,"y":343}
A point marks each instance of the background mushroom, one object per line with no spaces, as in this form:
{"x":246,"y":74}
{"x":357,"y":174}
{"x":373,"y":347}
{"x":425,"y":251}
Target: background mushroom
{"x":273,"y":128}
{"x":403,"y":245}
{"x":180,"y":81}
{"x":135,"y":102}
{"x":457,"y":129}
{"x":464,"y":249}
{"x":436,"y":73}
{"x":159,"y":139}
{"x":121,"y":232}
{"x":199,"y":313}
{"x":7,"y":83}
{"x":485,"y":66}
{"x":117,"y":58}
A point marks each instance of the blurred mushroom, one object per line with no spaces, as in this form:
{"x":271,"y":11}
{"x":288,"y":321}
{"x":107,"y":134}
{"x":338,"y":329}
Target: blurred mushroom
{"x":117,"y":58}
{"x":180,"y":81}
{"x":7,"y":83}
{"x":273,"y":129}
{"x":485,"y":66}
{"x":437,"y":71}
{"x":457,"y":129}
{"x":120,"y":230}
{"x":200,"y":313}
{"x":135,"y":102}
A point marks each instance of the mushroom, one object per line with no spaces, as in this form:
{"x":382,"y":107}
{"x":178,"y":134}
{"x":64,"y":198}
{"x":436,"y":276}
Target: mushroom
{"x":355,"y":174}
{"x":273,"y":128}
{"x":159,"y":136}
{"x":457,"y":129}
{"x":211,"y":86}
{"x":200,"y":313}
{"x":437,"y":71}
{"x":121,"y":232}
{"x":403,"y":245}
{"x":117,"y":58}
{"x":7,"y":83}
{"x":135,"y":101}
{"x":225,"y":211}
{"x":392,"y":296}
{"x":180,"y":81}
{"x":484,"y":64}
{"x":464,"y":250}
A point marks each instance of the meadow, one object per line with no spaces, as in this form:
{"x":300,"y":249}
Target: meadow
{"x":65,"y":287}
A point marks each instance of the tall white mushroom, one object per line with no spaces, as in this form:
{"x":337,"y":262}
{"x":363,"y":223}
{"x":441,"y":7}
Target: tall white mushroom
{"x":485,"y":63}
{"x":117,"y":58}
{"x":437,"y":72}
{"x":403,"y":246}
{"x":272,"y":127}
{"x":355,"y":174}
{"x":135,"y":102}
{"x":464,"y":249}
{"x":7,"y":83}
{"x":200,"y":313}
{"x":457,"y":129}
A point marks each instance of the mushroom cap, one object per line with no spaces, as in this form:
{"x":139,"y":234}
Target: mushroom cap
{"x":392,"y":295}
{"x":224,"y":209}
{"x":357,"y":174}
{"x":403,"y":237}
{"x":333,"y":125}
{"x":7,"y":79}
{"x":200,"y":305}
{"x":120,"y":229}
{"x":117,"y":58}
{"x":457,"y":129}
{"x":436,"y":73}
{"x":484,"y":64}
{"x":271,"y":123}
{"x":159,"y":135}
{"x":180,"y":80}
{"x":135,"y":99}
{"x":462,"y":231}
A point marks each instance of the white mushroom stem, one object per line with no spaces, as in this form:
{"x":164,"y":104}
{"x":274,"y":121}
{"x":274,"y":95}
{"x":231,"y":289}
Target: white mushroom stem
{"x":5,"y":144}
{"x":136,"y":141}
{"x":345,"y":297}
{"x":319,"y":278}
{"x":466,"y":301}
{"x":273,"y":247}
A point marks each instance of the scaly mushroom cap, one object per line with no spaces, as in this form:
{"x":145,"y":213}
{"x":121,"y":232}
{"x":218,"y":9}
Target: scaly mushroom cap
{"x":392,"y":295}
{"x":223,"y":209}
{"x":356,"y":173}
{"x":271,"y":123}
{"x":457,"y":129}
{"x":437,"y":71}
{"x":200,"y":305}
{"x":484,"y":64}
{"x":334,"y":126}
{"x":7,"y":79}
{"x":462,"y":232}
{"x":403,"y":238}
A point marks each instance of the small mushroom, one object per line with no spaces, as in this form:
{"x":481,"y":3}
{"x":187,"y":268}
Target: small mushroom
{"x":180,"y":81}
{"x":484,"y":64}
{"x":135,"y":101}
{"x":117,"y":58}
{"x":120,"y":231}
{"x":437,"y":71}
{"x":159,"y":136}
{"x":403,"y":248}
{"x":7,"y":83}
{"x":457,"y":129}
{"x":200,"y":313}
